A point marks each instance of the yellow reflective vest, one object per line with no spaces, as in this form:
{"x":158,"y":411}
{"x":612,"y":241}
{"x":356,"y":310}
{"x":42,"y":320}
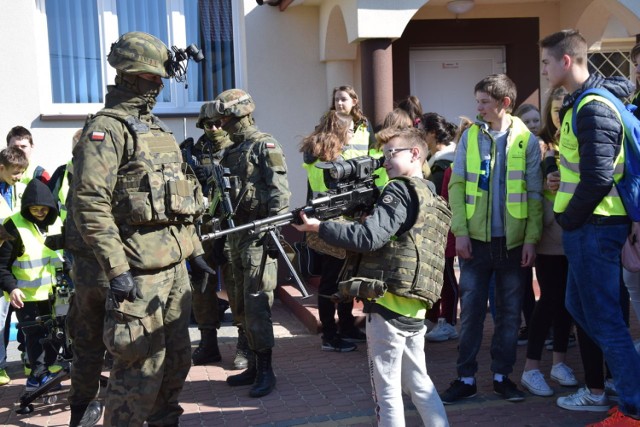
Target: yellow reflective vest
{"x":611,"y":204}
{"x":516,"y":199}
{"x":63,"y":191}
{"x":523,"y":216}
{"x":35,"y":269}
{"x":358,"y":146}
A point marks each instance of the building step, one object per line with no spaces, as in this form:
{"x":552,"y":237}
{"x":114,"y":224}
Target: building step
{"x":306,"y":309}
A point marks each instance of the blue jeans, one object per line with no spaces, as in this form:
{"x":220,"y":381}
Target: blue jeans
{"x":475,"y":276}
{"x":593,"y":299}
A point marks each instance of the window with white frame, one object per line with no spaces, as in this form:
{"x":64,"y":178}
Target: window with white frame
{"x":79,"y":34}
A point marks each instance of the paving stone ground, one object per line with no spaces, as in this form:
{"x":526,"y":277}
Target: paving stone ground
{"x":317,"y":388}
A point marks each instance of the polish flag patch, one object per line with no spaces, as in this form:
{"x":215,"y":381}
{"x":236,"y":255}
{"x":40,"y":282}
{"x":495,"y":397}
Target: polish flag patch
{"x":270,"y":145}
{"x":96,"y":136}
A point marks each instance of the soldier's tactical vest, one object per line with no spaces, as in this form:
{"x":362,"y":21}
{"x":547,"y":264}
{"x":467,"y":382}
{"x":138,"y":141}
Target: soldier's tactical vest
{"x":249,"y":201}
{"x":35,"y":269}
{"x":154,"y":186}
{"x":412,"y":264}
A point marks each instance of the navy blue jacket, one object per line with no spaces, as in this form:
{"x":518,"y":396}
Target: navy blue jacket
{"x":599,"y":134}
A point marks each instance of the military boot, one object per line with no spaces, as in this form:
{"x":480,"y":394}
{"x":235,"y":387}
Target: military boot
{"x":265,"y":378}
{"x":86,"y":415}
{"x":77,"y":411}
{"x":207,"y":351}
{"x":92,"y":414}
{"x":242,"y":351}
{"x":246,"y":377}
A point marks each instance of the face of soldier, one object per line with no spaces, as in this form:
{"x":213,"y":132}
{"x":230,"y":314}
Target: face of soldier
{"x":151,"y":77}
{"x":23,"y":144}
{"x":39,"y":212}
{"x":11,"y":174}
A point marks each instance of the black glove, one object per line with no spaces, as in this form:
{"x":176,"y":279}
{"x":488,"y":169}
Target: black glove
{"x":54,"y":241}
{"x":123,"y":287}
{"x":203,"y":172}
{"x":269,"y":246}
{"x":199,"y":267}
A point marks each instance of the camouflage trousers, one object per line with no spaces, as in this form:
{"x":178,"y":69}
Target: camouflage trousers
{"x":85,"y":322}
{"x":253,"y":309}
{"x":150,"y":344}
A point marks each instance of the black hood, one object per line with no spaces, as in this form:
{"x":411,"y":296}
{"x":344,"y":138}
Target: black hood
{"x":38,"y":194}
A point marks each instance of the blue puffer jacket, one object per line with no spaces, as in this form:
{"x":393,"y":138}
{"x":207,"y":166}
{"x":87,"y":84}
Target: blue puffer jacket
{"x":599,"y":136}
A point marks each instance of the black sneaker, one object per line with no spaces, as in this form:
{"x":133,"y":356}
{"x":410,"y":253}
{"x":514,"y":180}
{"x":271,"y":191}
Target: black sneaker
{"x":523,"y":336}
{"x":508,"y":390}
{"x":354,"y":335}
{"x":337,"y":344}
{"x":458,"y":390}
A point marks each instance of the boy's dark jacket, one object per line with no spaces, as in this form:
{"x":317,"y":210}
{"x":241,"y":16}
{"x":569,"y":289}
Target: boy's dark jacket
{"x":36,"y":193}
{"x":599,"y":131}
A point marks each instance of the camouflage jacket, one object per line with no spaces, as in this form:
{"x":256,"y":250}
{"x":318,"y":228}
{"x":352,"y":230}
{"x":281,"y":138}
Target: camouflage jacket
{"x":104,"y":151}
{"x":261,"y":187}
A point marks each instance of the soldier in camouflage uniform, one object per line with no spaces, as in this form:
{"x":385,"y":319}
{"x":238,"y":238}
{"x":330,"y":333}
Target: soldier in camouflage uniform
{"x":207,"y":150}
{"x":259,"y":190}
{"x":134,"y":203}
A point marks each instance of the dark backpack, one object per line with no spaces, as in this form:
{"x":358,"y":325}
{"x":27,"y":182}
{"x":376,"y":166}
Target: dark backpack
{"x":629,"y":185}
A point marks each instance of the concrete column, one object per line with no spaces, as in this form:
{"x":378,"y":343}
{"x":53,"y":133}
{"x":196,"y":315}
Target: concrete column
{"x":339,"y":73}
{"x":377,"y":79}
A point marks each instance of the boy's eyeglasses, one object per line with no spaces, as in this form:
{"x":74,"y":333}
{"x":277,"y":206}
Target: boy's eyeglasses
{"x":210,"y":124}
{"x":388,"y":155}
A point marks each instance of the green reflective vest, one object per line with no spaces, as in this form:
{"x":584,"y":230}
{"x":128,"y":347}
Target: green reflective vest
{"x":63,"y":191}
{"x":516,"y":184}
{"x":358,"y":146}
{"x":569,"y":168}
{"x":35,"y":269}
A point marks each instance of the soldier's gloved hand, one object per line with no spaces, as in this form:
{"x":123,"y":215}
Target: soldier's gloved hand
{"x":272,"y":249}
{"x":123,"y":287}
{"x":199,"y":267}
{"x":203,"y":172}
{"x":55,"y":242}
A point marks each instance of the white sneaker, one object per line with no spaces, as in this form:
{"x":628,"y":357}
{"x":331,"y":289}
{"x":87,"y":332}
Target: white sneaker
{"x":583,"y":400}
{"x":563,"y":375}
{"x":442,"y":332}
{"x":610,"y":389}
{"x":533,"y":381}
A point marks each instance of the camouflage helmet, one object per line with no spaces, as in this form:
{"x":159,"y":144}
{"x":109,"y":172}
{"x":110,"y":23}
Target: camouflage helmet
{"x":230,"y":103}
{"x":137,"y":52}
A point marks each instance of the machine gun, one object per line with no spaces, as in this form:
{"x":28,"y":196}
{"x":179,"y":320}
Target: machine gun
{"x":222,"y":186}
{"x":351,"y":191}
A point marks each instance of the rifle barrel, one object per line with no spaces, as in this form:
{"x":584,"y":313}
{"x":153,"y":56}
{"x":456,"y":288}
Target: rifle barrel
{"x":254,"y":226}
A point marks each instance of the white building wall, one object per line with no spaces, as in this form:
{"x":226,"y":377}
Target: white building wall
{"x":282,"y":68}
